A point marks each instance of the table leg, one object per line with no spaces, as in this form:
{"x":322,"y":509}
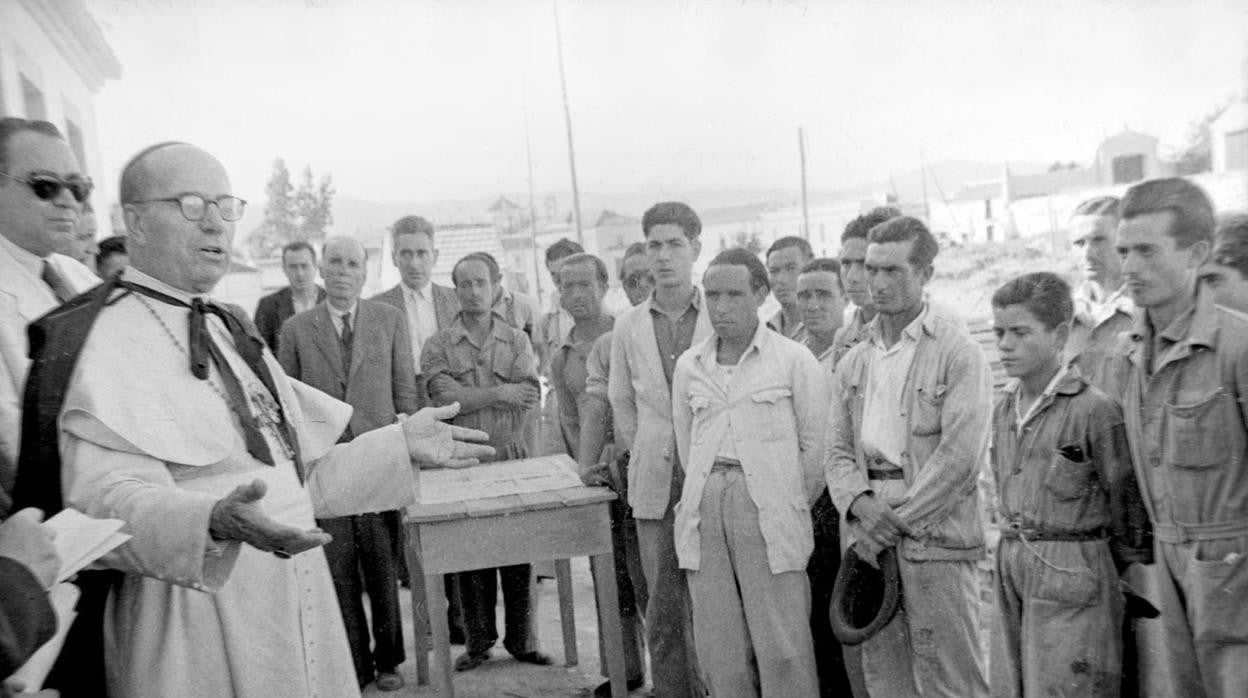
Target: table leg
{"x":420,"y":607}
{"x":609,"y":613}
{"x":441,"y":634}
{"x":567,"y":612}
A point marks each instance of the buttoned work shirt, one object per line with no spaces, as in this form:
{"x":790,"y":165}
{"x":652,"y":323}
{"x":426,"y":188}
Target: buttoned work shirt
{"x":673,"y":332}
{"x":1066,"y":466}
{"x":884,"y":414}
{"x":1094,"y":333}
{"x":422,"y":318}
{"x":505,"y":356}
{"x":797,"y":332}
{"x":773,"y":408}
{"x":1186,"y":419}
{"x":569,"y":374}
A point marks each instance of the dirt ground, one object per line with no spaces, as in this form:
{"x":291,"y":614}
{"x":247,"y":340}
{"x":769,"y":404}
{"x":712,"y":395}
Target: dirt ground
{"x":503,"y":677}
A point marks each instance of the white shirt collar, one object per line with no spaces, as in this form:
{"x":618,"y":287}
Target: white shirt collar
{"x":337,"y":314}
{"x":421,"y":293}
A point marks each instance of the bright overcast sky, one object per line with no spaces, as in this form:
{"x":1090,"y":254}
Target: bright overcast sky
{"x":410,"y":102}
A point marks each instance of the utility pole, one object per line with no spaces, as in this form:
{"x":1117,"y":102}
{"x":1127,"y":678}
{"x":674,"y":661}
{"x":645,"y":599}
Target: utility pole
{"x":528,"y":153}
{"x":801,"y":149}
{"x":567,"y":119}
{"x":927,"y":208}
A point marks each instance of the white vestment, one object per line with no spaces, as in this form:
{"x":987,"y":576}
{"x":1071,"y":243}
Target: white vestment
{"x":143,"y":440}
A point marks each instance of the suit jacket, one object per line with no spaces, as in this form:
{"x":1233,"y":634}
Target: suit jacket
{"x":445,"y":309}
{"x":641,"y":402}
{"x":381,"y":382}
{"x":275,"y":309}
{"x":24,"y":297}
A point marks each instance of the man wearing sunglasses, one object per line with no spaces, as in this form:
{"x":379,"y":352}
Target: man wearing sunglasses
{"x":176,"y":418}
{"x":41,"y":197}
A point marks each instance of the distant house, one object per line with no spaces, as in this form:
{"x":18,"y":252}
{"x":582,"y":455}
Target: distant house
{"x":1228,"y":135}
{"x":1129,"y":157}
{"x":53,"y":61}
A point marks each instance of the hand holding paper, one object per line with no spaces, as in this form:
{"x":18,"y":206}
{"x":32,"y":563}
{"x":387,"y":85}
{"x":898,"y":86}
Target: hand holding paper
{"x":25,"y":540}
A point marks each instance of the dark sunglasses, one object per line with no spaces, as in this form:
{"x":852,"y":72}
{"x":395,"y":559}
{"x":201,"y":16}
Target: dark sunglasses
{"x":637,"y":278}
{"x":48,"y":187}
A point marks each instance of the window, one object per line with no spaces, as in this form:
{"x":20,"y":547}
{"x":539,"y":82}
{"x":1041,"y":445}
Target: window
{"x":1237,"y":150}
{"x":1128,"y":168}
{"x":74,"y":135}
{"x":33,"y":97}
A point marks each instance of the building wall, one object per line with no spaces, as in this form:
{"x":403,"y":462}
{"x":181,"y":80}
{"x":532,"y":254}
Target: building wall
{"x":27,"y":52}
{"x":1229,"y":138}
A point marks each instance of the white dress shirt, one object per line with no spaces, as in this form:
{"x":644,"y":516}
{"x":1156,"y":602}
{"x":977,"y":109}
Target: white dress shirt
{"x":422,"y":318}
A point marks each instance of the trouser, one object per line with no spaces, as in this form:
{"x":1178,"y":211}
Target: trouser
{"x":669,"y":625}
{"x":751,"y":625}
{"x":1198,"y":646}
{"x":932,"y":647}
{"x":824,"y":563}
{"x":631,"y":624}
{"x":364,"y":558}
{"x":1059,"y":620}
{"x":478,"y":594}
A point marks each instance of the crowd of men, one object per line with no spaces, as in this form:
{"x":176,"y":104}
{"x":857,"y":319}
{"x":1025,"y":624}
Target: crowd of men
{"x":764,"y":465}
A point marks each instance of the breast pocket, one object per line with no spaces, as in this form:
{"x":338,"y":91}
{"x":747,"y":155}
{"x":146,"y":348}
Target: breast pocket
{"x":928,"y":401}
{"x":767,"y":416}
{"x":1195,"y":432}
{"x":1068,"y":479}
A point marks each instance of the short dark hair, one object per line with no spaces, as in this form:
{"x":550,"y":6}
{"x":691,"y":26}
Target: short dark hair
{"x":1191,"y":207}
{"x":861,"y":226}
{"x":129,"y":188}
{"x":739,"y":256}
{"x":410,"y":225}
{"x":1045,"y":294}
{"x":633,"y":250}
{"x":583,"y":258}
{"x":790,"y":241}
{"x":672,"y":213}
{"x":1099,"y":206}
{"x":829,"y":264}
{"x":109,"y":247}
{"x":12,"y":125}
{"x":1231,"y":243}
{"x":904,"y":228}
{"x":561,"y":248}
{"x":296,"y":246}
{"x":484,"y":257}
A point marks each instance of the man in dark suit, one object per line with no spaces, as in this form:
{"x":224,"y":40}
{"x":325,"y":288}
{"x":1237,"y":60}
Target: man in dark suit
{"x":429,"y":307}
{"x":358,"y":351}
{"x":299,"y":263}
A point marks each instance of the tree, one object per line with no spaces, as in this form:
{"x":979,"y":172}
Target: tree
{"x":313,"y":207}
{"x":749,"y":241}
{"x":1196,"y":153}
{"x":278,"y":226}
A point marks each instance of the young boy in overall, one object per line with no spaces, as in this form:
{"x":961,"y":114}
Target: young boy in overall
{"x":1070,"y":507}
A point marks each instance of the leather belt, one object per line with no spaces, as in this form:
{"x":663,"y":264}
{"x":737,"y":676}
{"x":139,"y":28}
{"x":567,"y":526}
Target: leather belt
{"x":1179,"y":533}
{"x":725,"y":463}
{"x":880,"y":469}
{"x":1015,"y":530}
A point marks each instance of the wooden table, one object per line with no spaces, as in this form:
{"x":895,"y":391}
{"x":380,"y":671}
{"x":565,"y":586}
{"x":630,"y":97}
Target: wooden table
{"x":511,"y":530}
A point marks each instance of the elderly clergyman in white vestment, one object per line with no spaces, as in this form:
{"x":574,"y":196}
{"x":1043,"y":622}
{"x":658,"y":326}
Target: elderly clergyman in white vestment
{"x":218,"y":477}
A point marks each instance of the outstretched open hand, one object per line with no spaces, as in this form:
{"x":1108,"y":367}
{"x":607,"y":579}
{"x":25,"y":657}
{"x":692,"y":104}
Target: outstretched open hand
{"x":238,"y":517}
{"x":436,"y":443}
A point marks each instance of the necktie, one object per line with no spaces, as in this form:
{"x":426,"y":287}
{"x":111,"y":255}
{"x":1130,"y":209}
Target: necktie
{"x":56,"y":282}
{"x":203,"y":349}
{"x":347,"y":337}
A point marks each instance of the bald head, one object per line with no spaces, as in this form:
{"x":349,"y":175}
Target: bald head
{"x":343,"y":267}
{"x":188,"y":255}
